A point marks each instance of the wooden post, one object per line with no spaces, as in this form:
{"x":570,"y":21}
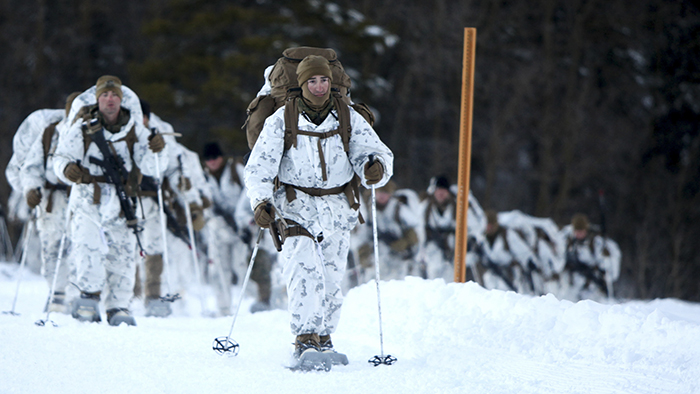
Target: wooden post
{"x":465,"y":154}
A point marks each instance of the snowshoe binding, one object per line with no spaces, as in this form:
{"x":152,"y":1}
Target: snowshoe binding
{"x":157,"y":308}
{"x":308,"y":356}
{"x":326,"y":346}
{"x":117,"y":316}
{"x":86,"y":308}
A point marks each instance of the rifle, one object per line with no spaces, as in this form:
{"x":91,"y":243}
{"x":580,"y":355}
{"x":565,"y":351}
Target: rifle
{"x":149,"y":184}
{"x":227,"y":218}
{"x":116,"y":174}
{"x":575,"y":265}
{"x":494,"y":267}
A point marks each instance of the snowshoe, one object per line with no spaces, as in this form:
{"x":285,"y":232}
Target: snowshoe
{"x":86,"y":308}
{"x":117,"y":316}
{"x":312,"y":360}
{"x":308,"y":356}
{"x":326,"y":347}
{"x":157,"y":308}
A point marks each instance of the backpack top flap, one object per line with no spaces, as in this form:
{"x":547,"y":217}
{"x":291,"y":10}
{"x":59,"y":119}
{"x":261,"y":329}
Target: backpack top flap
{"x":284,"y":74}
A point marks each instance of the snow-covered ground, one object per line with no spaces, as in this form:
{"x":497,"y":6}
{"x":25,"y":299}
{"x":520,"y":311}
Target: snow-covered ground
{"x":448,"y":338}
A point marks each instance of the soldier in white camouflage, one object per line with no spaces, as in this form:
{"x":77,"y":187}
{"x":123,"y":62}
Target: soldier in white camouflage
{"x":103,"y":244}
{"x":43,"y":189}
{"x":315,"y":170}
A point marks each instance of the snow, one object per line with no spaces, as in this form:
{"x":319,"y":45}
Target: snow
{"x":448,"y":338}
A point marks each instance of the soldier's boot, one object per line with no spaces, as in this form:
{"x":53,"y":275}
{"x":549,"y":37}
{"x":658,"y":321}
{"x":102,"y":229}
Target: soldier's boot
{"x":326,"y":346}
{"x":117,"y":316}
{"x":87,"y":307}
{"x":154,"y":305}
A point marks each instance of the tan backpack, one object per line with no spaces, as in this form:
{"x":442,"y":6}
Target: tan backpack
{"x":283,"y":80}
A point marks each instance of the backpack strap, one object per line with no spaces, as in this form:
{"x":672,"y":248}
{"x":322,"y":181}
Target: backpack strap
{"x":46,"y":140}
{"x":291,"y":120}
{"x":343,"y":119}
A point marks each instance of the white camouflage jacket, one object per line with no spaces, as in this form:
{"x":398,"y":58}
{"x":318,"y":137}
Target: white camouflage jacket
{"x":34,"y":173}
{"x":28,"y":131}
{"x":71,"y":149}
{"x":301,"y":166}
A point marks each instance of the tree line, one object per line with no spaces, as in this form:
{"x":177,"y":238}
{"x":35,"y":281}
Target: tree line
{"x":571,"y":97}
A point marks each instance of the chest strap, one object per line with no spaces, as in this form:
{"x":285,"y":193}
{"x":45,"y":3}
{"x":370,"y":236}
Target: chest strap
{"x":320,"y":136}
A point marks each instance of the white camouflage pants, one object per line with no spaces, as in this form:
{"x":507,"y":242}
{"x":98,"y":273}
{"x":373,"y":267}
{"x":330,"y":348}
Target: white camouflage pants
{"x":51,"y":227}
{"x":314,"y":274}
{"x":104,"y":256}
{"x":152,"y":236}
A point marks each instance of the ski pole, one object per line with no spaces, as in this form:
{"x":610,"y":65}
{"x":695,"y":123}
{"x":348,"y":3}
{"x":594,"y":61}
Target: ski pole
{"x":381,"y":359}
{"x":17,"y":255}
{"x":168,"y":297}
{"x":225,"y":344}
{"x":5,"y":235}
{"x":53,"y":283}
{"x":193,"y":248}
{"x":29,"y":228}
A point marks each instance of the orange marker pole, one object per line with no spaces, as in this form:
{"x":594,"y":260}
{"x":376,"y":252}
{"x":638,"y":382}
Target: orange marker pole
{"x":465,"y":154}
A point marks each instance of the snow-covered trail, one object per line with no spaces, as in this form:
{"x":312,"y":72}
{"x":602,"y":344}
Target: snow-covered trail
{"x":448,"y":338}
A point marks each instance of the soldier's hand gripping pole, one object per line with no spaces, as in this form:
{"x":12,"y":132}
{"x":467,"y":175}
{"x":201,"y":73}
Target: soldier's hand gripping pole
{"x":379,"y":359}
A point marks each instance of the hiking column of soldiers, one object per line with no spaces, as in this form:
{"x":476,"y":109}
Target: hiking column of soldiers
{"x":93,"y":171}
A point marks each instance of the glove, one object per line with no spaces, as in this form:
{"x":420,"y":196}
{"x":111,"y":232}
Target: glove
{"x":185,"y":184}
{"x":197,"y":217}
{"x":73,"y":172}
{"x":263,"y":215}
{"x":156,"y":143}
{"x":374,"y":172}
{"x":33,"y":197}
{"x":206,"y":203}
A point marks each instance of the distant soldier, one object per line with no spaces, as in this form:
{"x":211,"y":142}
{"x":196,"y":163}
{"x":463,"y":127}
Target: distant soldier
{"x":439,"y":213}
{"x":149,"y":206}
{"x":225,"y":248}
{"x":503,"y":257}
{"x":103,"y":221}
{"x":541,"y":236}
{"x":592,"y":261}
{"x":31,"y":128}
{"x":398,"y":227}
{"x":42,"y":188}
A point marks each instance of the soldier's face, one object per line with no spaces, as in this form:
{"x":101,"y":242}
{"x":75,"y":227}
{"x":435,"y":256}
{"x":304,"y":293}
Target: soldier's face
{"x":319,"y":85}
{"x":580,"y":234}
{"x":441,"y":195}
{"x":109,"y":103}
{"x":382,"y":197}
{"x":215,"y":163}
